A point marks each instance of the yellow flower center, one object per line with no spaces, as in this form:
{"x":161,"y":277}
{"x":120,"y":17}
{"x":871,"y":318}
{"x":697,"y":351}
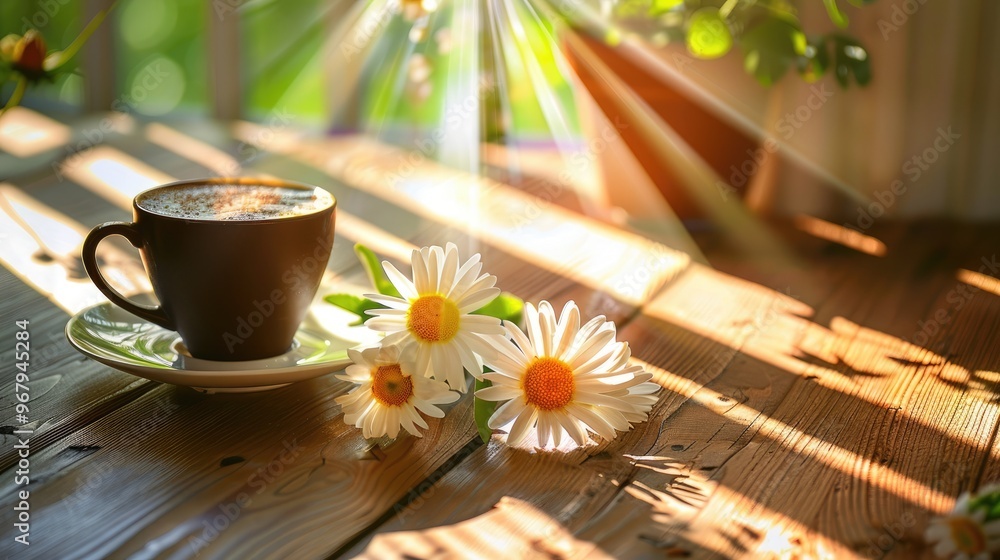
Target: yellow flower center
{"x":967,"y":535}
{"x":548,"y":383}
{"x":390,"y":387}
{"x":433,"y":318}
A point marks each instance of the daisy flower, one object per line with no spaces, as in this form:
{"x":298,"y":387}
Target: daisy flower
{"x":965,"y":534}
{"x":563,"y":378}
{"x":433,"y":318}
{"x":388,"y":395}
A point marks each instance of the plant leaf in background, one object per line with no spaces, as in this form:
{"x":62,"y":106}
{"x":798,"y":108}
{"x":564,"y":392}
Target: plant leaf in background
{"x":659,"y":7}
{"x":355,"y":304}
{"x":815,"y":61}
{"x":988,"y":499}
{"x":771,"y":47}
{"x":836,"y":16}
{"x":375,"y":273}
{"x":506,"y":307}
{"x":850,"y":59}
{"x":708,"y":36}
{"x":483,"y":410}
{"x":769,"y":32}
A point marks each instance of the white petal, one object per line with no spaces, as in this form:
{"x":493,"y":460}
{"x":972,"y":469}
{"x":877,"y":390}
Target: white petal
{"x":427,"y":408}
{"x":388,"y":313}
{"x":521,"y":340}
{"x":391,"y":301}
{"x":392,"y":421}
{"x":569,"y":324}
{"x":597,"y":423}
{"x":480,"y":344}
{"x":434,"y":259}
{"x":497,"y":393}
{"x":415,"y":416}
{"x":592,"y":347}
{"x":546,"y":326}
{"x":465,"y":277}
{"x":572,"y":427}
{"x":506,"y":412}
{"x":475,"y":300}
{"x":532,"y":329}
{"x":482,"y":324}
{"x":503,"y":345}
{"x":385,"y":324}
{"x":504,"y":366}
{"x":543,"y":429}
{"x":401,"y":282}
{"x":522,"y":426}
{"x":484,"y":282}
{"x":449,"y":268}
{"x":503,"y":379}
{"x":422,"y":364}
{"x":407,"y":423}
{"x":470,"y":361}
{"x":420,"y":272}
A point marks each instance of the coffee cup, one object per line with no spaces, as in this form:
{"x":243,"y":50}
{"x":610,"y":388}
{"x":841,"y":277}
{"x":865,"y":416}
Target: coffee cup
{"x":234,"y":262}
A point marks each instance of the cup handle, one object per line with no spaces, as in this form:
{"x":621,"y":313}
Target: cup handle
{"x":89,"y":255}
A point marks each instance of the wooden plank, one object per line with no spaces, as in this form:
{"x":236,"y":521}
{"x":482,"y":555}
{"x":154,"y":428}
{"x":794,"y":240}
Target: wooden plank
{"x":67,"y":391}
{"x":742,"y":447}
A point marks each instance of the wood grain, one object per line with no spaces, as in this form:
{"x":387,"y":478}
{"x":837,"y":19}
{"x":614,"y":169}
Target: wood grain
{"x":803,"y":412}
{"x":761,"y":448}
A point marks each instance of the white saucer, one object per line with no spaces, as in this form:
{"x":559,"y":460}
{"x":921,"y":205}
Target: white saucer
{"x":115,"y":337}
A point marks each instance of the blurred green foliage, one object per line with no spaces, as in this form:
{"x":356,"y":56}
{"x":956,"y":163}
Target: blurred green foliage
{"x":768,"y":32}
{"x":59,"y":23}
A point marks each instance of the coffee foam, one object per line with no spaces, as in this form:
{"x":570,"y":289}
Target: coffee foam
{"x":234,"y":202}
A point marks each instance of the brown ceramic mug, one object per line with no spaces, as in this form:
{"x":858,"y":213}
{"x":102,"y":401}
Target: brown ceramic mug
{"x":234,"y":262}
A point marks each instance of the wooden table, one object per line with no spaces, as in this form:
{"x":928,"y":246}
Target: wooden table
{"x":795,"y":418}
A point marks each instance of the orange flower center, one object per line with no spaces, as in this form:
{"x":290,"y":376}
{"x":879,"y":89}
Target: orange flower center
{"x":548,"y":383}
{"x":967,"y":535}
{"x":390,"y":387}
{"x":433,"y":318}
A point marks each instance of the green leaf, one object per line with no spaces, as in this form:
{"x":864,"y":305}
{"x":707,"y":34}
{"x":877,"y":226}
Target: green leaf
{"x":815,"y":60}
{"x":483,"y":410}
{"x":708,"y":35}
{"x":506,"y":307}
{"x":850,"y":59}
{"x":375,"y":273}
{"x":354,"y":304}
{"x":771,"y":47}
{"x":658,"y":7}
{"x":836,"y":16}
